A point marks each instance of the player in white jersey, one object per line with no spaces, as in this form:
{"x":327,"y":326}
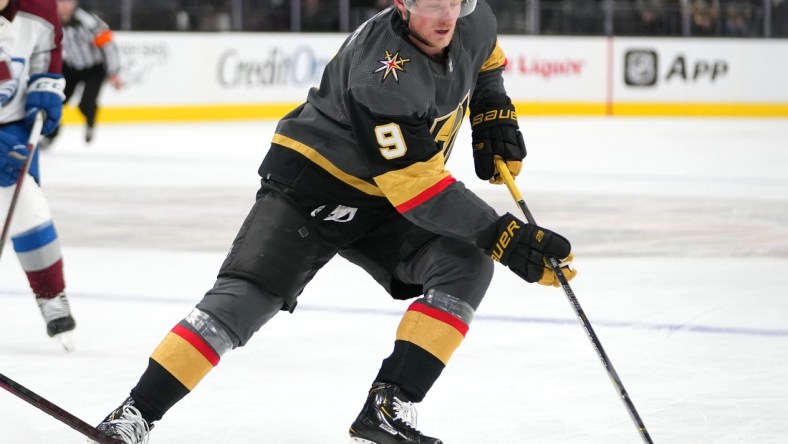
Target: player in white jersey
{"x":31,"y":82}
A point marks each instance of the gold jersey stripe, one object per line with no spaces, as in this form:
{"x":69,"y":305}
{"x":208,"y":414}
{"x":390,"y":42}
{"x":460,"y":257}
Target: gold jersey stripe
{"x":496,"y":60}
{"x":322,"y":162}
{"x":182,"y":360}
{"x":402,"y":185}
{"x":438,"y":338}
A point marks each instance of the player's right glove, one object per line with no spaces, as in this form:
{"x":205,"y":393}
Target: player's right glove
{"x":524,"y":247}
{"x":495,"y":132}
{"x":12,"y":158}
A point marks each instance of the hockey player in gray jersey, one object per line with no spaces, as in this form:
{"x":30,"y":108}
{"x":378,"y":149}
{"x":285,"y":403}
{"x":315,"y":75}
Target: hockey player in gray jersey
{"x":359,"y":170}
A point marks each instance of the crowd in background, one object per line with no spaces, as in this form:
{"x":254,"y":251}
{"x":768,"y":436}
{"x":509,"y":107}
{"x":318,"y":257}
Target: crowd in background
{"x":706,"y":18}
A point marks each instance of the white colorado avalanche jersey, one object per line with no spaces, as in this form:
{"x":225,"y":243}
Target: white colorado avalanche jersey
{"x":30,"y":38}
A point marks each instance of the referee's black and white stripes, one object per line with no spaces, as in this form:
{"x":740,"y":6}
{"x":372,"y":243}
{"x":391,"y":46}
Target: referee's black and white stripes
{"x":88,"y":41}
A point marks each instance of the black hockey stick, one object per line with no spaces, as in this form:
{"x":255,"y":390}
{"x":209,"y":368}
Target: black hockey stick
{"x":56,"y":412}
{"x":32,"y":144}
{"x":611,"y":372}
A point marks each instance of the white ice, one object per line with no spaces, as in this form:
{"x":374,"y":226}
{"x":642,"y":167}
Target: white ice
{"x":680,"y":229}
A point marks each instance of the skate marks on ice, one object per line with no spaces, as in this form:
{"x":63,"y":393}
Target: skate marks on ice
{"x":207,"y":218}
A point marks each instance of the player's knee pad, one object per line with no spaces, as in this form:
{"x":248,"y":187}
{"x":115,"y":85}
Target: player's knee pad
{"x":211,"y":331}
{"x":457,"y":268}
{"x":447,"y":303}
{"x":270,"y":251}
{"x":240,"y":307}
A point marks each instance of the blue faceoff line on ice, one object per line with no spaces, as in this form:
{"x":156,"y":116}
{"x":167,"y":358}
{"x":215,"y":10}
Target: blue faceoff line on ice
{"x":479,"y":317}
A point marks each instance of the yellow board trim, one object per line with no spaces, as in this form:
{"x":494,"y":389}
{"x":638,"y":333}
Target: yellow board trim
{"x":652,"y":109}
{"x":438,"y":338}
{"x":195,"y":113}
{"x":182,"y":360}
{"x":702,"y":109}
{"x":560,"y":109}
{"x":206,"y":113}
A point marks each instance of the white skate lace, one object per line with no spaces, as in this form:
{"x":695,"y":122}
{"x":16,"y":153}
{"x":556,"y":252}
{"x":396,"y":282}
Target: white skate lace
{"x":54,"y":308}
{"x":405,"y":412}
{"x":130,"y":427}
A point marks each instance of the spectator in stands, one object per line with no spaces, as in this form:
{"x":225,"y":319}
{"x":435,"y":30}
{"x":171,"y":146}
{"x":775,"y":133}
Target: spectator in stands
{"x":363,"y":10}
{"x":276,"y":17}
{"x":704,"y":17}
{"x":650,"y":17}
{"x":737,"y":21}
{"x":378,"y":5}
{"x":317,"y":16}
{"x":780,"y":18}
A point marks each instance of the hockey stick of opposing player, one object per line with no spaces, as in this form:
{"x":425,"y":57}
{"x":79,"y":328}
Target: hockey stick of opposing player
{"x":56,"y":412}
{"x":32,"y":144}
{"x":611,"y":372}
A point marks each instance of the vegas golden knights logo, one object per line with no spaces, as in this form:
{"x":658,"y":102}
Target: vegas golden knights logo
{"x":391,"y":65}
{"x":445,"y":128}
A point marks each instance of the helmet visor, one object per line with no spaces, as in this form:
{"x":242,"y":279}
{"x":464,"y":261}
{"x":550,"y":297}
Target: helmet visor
{"x":440,"y":9}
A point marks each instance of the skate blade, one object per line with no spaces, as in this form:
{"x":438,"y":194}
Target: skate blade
{"x":65,"y":340}
{"x":354,"y":440}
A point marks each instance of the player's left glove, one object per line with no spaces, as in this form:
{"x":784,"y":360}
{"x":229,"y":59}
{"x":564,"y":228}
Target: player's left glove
{"x":495,"y":132}
{"x":13,"y":154}
{"x":524,"y":248}
{"x":45,"y":93}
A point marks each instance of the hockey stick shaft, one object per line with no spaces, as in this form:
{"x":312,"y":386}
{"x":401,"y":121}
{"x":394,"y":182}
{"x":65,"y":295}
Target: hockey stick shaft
{"x":570,"y":294}
{"x":56,"y":412}
{"x":32,"y":144}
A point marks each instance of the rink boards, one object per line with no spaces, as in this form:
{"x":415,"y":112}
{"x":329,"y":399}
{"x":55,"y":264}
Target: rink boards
{"x":190,"y":76}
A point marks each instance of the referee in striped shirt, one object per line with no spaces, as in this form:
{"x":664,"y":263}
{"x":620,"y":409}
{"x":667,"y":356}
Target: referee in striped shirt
{"x":90,"y":57}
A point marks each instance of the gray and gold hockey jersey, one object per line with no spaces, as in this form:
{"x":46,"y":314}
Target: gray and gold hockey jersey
{"x":380,"y":127}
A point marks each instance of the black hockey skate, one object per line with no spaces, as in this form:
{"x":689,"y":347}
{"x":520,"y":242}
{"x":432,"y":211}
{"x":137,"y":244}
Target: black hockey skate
{"x":57,"y":315}
{"x":126,"y":424}
{"x":387,"y":418}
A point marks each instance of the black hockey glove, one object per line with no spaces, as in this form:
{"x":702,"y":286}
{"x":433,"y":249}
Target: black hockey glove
{"x":495,"y":132}
{"x":523,"y":247}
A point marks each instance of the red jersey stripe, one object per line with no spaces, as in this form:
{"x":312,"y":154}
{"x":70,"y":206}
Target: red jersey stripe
{"x":426,"y":195}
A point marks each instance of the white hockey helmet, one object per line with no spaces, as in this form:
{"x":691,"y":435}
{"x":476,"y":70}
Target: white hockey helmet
{"x":440,"y":8}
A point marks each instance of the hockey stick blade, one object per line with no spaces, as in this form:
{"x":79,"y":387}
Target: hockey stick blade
{"x":54,"y":411}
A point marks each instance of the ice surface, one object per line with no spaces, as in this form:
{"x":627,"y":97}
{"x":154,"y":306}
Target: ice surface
{"x":680,"y":228}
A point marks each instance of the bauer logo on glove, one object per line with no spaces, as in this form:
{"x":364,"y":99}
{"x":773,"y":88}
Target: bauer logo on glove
{"x":505,"y":239}
{"x":495,"y":132}
{"x":526,"y":249}
{"x":494,"y":115}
